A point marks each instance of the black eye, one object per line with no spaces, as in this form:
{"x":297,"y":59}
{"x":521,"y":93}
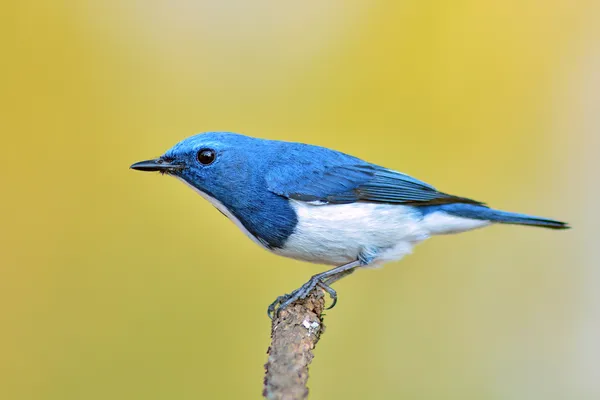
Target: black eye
{"x":206,"y":156}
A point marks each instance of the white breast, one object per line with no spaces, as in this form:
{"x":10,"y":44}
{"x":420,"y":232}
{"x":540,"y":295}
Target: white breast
{"x":337,"y":234}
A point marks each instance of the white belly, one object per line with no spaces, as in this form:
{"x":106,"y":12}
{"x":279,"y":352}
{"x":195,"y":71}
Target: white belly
{"x":338,"y":234}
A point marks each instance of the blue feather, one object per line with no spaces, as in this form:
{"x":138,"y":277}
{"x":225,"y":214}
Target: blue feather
{"x":330,"y":177}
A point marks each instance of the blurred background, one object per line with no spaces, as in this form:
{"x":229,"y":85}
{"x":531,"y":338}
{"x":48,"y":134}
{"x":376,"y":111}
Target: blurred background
{"x":120,"y":285}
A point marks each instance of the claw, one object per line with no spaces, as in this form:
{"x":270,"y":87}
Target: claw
{"x":271,"y":310}
{"x":284,"y":301}
{"x":322,"y":280}
{"x":302,"y":292}
{"x":333,"y":303}
{"x":332,"y":293}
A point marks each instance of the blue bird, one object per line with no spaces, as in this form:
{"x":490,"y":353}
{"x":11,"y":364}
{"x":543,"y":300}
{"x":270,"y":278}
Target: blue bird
{"x":319,"y":205}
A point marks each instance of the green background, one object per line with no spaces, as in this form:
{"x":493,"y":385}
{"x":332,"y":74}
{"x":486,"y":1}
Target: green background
{"x":121,"y":285}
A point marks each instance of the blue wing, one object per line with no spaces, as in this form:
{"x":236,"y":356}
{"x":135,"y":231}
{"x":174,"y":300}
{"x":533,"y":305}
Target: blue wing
{"x":341,"y":179}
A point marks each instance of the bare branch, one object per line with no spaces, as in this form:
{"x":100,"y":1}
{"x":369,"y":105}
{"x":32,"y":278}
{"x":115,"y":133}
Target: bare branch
{"x":294,"y":334}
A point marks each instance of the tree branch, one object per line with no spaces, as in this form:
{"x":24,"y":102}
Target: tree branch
{"x":294,"y":334}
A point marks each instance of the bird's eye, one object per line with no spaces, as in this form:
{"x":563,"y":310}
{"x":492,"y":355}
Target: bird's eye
{"x":206,"y":156}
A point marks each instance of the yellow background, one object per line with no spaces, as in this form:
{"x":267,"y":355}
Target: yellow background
{"x":116,"y":284}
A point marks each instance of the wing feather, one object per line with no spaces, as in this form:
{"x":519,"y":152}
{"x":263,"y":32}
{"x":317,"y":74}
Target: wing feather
{"x":352,"y":182}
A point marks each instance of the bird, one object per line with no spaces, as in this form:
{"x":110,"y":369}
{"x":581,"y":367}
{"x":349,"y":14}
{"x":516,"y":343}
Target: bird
{"x":320,"y":205}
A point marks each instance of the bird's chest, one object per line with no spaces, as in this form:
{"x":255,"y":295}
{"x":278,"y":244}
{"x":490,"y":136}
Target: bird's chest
{"x":337,"y":234}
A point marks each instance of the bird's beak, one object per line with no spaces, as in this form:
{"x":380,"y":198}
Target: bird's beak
{"x":157,"y":165}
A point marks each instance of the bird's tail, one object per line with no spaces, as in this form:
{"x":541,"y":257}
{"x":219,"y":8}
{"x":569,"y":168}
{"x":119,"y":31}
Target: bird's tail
{"x":482,"y":212}
{"x":504,"y":217}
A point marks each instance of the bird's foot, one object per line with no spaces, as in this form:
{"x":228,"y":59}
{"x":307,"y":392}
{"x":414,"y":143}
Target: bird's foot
{"x":301,"y":293}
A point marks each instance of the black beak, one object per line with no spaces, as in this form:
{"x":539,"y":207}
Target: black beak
{"x":157,"y":165}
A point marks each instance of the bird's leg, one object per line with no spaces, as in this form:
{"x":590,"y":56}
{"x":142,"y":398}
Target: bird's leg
{"x":322,"y":280}
{"x":334,"y":278}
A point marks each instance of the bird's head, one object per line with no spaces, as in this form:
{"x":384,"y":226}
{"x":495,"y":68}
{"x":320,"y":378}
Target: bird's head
{"x":216,"y":163}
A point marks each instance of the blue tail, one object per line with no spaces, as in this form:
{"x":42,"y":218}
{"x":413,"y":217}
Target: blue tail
{"x":481,"y":212}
